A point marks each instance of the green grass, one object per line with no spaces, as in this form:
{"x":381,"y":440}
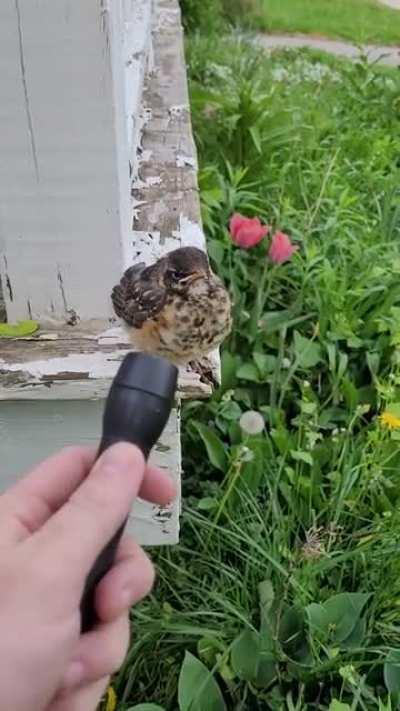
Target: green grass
{"x":354,"y":20}
{"x":284,"y":590}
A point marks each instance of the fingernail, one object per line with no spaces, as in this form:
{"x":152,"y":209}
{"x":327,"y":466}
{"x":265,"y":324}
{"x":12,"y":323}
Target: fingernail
{"x":121,"y":456}
{"x":74,"y":674}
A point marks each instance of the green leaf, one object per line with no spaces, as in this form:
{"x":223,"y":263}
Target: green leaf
{"x":300,"y":456}
{"x":317,"y":618}
{"x":244,"y":655}
{"x":344,"y":611}
{"x":391,"y":671}
{"x":339,"y":618}
{"x":275,"y":320}
{"x":197,"y":688}
{"x":255,"y":135}
{"x":291,"y":634}
{"x":266,"y":595}
{"x":307,"y":352}
{"x":215,"y":251}
{"x":336,"y":705}
{"x":265,"y":363}
{"x":249,"y":371}
{"x":250,"y":662}
{"x":228,"y":370}
{"x":18,"y":330}
{"x":215,"y":448}
{"x":230,"y":411}
{"x":146,"y":707}
{"x":356,"y":637}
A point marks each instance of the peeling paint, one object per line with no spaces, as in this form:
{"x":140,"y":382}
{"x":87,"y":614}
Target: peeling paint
{"x":97,"y":365}
{"x":190,"y":233}
{"x":178,"y":110}
{"x":138,"y":184}
{"x":183,"y":160}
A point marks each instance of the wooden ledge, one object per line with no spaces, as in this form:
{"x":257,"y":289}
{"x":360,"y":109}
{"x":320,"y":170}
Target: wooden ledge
{"x":72,"y":363}
{"x":79,"y":361}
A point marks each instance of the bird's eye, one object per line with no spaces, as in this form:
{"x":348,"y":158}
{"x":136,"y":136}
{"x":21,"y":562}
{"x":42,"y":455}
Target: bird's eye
{"x":177,"y":275}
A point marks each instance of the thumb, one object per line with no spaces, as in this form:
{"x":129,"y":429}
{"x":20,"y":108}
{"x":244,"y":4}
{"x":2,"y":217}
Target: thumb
{"x":74,"y":536}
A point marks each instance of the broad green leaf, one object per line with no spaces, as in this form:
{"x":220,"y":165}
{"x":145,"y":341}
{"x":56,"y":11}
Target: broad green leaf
{"x":230,"y":410}
{"x":317,"y":618}
{"x":228,"y":370}
{"x":344,"y":611}
{"x":291,"y":634}
{"x":197,"y":688}
{"x":391,"y":671}
{"x":336,"y":705}
{"x":307,"y":352}
{"x":250,"y":662}
{"x":266,"y":595}
{"x":265,"y":363}
{"x":215,"y":448}
{"x":245,"y":655}
{"x":300,"y":456}
{"x":275,"y":320}
{"x":356,"y":637}
{"x":18,"y":330}
{"x":146,"y":707}
{"x":339,"y":618}
{"x":249,"y":371}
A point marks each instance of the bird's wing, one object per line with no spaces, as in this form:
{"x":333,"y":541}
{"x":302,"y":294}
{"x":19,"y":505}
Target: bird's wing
{"x":137,"y":297}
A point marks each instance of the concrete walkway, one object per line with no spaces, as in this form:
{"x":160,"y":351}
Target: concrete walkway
{"x":387,"y":55}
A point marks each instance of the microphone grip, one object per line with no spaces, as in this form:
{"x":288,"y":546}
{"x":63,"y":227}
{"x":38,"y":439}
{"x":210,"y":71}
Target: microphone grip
{"x":106,"y":557}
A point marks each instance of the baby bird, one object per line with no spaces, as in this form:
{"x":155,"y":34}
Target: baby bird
{"x":176,"y":308}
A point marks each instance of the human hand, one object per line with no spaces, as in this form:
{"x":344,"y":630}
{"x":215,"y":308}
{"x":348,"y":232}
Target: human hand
{"x":53,"y":525}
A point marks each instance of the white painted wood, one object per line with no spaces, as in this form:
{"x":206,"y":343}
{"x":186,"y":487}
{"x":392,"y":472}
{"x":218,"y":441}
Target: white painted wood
{"x":69,"y":123}
{"x":70,"y":364}
{"x":31,"y":431}
{"x":137,"y":41}
{"x":64,"y":169}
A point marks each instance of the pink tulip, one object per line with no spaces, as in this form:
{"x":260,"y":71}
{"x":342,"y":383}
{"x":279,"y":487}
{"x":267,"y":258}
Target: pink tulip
{"x":246,"y":232}
{"x":281,"y":248}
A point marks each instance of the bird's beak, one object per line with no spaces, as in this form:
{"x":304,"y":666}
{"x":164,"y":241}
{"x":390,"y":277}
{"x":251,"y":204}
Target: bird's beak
{"x":194,"y":276}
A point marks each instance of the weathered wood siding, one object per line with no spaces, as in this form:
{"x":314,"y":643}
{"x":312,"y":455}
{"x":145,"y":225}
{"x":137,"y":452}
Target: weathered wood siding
{"x":32,"y":430}
{"x":64,"y":169}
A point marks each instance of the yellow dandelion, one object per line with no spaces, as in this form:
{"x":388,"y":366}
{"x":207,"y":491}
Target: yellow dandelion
{"x":390,"y":420}
{"x":111,"y":699}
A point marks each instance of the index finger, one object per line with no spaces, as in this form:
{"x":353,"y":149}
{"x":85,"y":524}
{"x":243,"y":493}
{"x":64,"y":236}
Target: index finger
{"x":74,"y":536}
{"x":29,"y":503}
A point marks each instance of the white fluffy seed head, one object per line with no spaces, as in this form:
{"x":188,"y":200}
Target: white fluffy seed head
{"x":252,"y":422}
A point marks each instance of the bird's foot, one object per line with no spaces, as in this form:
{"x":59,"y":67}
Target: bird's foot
{"x":204,"y":369}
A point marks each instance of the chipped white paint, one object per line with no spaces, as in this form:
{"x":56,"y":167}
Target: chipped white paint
{"x":177,"y":110}
{"x":182,"y":160}
{"x":190,"y":233}
{"x":96,"y":365}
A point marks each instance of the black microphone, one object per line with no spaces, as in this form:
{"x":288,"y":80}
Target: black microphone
{"x":137,"y":409}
